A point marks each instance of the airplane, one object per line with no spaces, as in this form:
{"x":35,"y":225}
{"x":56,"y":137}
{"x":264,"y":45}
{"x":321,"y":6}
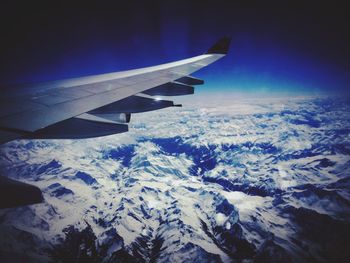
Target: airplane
{"x":90,"y":106}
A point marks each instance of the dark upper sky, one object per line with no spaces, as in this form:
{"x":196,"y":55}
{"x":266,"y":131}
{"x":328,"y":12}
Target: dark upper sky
{"x":276,"y":46}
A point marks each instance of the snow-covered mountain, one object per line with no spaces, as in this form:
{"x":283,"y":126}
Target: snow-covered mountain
{"x":226,"y":180}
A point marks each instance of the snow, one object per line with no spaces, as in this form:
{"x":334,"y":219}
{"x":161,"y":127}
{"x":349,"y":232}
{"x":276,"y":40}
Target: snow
{"x":260,"y":156}
{"x":220,"y":219}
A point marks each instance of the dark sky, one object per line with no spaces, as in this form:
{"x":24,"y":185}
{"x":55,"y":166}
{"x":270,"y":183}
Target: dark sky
{"x":299,"y":45}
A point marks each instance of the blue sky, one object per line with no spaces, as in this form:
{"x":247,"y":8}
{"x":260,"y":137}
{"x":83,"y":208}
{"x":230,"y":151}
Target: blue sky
{"x":275,"y":47}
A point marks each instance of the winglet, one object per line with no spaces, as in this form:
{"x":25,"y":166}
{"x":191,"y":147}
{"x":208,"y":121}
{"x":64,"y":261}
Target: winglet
{"x":220,"y":47}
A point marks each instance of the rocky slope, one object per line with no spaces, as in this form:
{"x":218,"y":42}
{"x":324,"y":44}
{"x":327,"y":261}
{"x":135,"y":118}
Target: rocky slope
{"x":263,"y":180}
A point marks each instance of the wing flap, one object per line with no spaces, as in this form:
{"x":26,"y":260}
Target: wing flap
{"x":115,"y":117}
{"x":79,"y":128}
{"x":133,"y":104}
{"x":170,"y":89}
{"x":189,"y":80}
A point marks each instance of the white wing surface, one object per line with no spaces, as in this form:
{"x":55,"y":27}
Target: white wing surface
{"x":101,"y":104}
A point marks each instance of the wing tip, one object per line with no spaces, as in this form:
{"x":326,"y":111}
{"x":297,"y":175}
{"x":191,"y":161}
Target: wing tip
{"x":220,"y":47}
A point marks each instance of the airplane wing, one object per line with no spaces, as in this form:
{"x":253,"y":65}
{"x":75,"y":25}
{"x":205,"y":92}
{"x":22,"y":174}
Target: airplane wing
{"x":97,"y":105}
{"x":90,"y":106}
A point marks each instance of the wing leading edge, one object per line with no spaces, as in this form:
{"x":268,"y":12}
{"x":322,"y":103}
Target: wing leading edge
{"x":45,"y":110}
